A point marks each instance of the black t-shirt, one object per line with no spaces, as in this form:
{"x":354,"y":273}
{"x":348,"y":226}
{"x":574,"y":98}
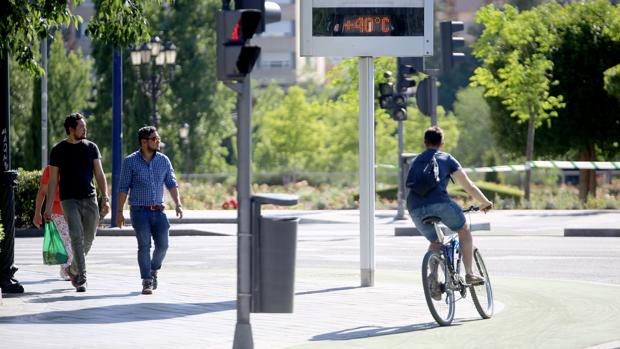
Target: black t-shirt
{"x":75,"y":168}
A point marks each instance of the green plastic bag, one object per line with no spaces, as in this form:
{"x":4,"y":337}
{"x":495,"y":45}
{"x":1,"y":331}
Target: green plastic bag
{"x":53,"y":249}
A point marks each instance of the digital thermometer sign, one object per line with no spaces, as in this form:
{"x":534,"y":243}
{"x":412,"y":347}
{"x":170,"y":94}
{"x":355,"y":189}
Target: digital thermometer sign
{"x":348,"y":28}
{"x":367,"y":21}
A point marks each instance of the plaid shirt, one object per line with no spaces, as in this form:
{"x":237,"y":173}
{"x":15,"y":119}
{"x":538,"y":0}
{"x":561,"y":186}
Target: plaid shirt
{"x":146,"y":179}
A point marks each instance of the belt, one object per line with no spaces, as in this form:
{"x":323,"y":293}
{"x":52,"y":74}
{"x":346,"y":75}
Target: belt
{"x":153,"y":207}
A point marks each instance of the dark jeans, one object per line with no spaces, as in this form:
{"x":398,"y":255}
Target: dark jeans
{"x":82,"y":216}
{"x":147,"y":224}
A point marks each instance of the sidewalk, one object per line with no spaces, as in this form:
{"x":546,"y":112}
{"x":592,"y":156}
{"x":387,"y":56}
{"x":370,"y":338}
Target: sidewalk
{"x":195,"y":304}
{"x":501,"y":222}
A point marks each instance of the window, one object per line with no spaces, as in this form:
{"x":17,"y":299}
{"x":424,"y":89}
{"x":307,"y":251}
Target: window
{"x":282,"y":28}
{"x":276,"y":60}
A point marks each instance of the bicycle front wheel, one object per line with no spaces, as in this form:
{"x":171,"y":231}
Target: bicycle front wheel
{"x":439,"y":298}
{"x":482,"y":295}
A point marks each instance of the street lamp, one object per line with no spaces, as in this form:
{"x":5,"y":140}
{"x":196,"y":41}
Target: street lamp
{"x":184,"y":135}
{"x":155,"y":63}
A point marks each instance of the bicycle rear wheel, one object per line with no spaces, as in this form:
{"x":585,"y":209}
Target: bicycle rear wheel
{"x":482,"y":295}
{"x":439,"y":298}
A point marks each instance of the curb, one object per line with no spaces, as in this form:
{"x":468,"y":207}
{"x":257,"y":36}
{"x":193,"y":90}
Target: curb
{"x":591,"y":232}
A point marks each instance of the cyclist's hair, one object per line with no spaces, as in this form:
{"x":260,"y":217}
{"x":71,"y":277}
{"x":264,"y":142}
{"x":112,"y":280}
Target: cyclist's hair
{"x":433,"y":136}
{"x":71,"y":121}
{"x":145,"y":132}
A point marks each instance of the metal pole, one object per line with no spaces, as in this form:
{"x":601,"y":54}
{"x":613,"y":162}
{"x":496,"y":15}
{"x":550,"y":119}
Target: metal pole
{"x":243,"y":329}
{"x":117,"y":126}
{"x":367,"y":170}
{"x":432,"y":95}
{"x":400,"y":213}
{"x":154,"y":92}
{"x":44,"y":101}
{"x":7,"y":183}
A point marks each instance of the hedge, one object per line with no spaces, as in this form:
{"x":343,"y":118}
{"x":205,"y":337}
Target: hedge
{"x":25,"y":196}
{"x":492,"y":191}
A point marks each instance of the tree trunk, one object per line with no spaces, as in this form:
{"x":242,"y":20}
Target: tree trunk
{"x":587,"y":178}
{"x":529,"y":154}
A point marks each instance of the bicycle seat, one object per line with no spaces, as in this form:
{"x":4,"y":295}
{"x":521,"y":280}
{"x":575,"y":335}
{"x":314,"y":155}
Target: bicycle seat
{"x":431,"y":220}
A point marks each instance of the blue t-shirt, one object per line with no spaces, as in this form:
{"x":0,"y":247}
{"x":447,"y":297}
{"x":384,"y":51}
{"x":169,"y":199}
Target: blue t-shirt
{"x":447,"y":166}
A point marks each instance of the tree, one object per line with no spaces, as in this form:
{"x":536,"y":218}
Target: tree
{"x":24,"y":21}
{"x":515,"y":67}
{"x":586,"y":45}
{"x":473,"y":116}
{"x":612,"y":81}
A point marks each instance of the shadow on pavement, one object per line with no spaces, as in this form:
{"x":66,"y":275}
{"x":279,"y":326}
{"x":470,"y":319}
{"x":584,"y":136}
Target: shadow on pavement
{"x":80,"y":298}
{"x":372,"y":331}
{"x":335,"y":289}
{"x":120,"y":313}
{"x":38,"y":281}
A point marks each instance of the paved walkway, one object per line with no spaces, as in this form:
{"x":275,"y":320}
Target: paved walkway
{"x":194,"y":306}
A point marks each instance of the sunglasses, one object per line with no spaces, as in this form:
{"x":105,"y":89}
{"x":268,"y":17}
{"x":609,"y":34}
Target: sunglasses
{"x":154,"y":138}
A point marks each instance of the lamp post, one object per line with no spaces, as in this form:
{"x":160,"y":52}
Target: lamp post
{"x":155,"y":63}
{"x":184,"y":135}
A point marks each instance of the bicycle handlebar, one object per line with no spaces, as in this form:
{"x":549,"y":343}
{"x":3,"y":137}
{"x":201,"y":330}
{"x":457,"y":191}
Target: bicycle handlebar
{"x":472,"y":208}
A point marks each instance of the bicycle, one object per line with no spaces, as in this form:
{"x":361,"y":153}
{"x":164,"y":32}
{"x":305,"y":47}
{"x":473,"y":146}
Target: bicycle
{"x":443,"y":277}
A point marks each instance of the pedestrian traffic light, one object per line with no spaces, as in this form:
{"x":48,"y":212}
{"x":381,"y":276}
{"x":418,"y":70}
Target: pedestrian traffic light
{"x":271,"y":11}
{"x":235,"y":58}
{"x":449,"y":42}
{"x":398,"y":111}
{"x":386,"y":90}
{"x":406,"y":68}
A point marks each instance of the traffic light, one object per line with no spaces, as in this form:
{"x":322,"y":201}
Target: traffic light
{"x":449,"y":42}
{"x":235,"y":58}
{"x":271,"y":11}
{"x":386,"y":91}
{"x":398,"y":111}
{"x":406,"y":68}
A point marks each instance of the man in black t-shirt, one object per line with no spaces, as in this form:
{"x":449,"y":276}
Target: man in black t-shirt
{"x":77,"y":160}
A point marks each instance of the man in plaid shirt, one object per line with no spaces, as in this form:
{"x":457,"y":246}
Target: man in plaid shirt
{"x":143,"y":175}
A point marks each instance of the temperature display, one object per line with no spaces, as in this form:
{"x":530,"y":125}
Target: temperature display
{"x":363,"y":21}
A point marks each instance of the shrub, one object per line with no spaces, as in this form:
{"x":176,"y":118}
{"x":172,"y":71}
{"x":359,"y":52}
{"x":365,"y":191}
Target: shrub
{"x":25,"y":196}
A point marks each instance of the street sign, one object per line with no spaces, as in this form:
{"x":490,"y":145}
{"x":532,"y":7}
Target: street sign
{"x":426,"y":92}
{"x":349,"y":28}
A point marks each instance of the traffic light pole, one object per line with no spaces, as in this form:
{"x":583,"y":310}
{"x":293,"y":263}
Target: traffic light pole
{"x":367,"y":169}
{"x":243,"y":329}
{"x":400,"y":213}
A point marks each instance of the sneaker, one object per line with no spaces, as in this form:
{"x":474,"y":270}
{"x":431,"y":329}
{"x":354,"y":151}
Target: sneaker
{"x":147,"y":286}
{"x":12,"y":287}
{"x":81,"y":287}
{"x":434,"y":286}
{"x":474,"y":280}
{"x":154,"y":276}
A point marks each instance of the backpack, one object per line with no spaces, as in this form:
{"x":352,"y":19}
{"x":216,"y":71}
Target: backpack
{"x":423,"y":176}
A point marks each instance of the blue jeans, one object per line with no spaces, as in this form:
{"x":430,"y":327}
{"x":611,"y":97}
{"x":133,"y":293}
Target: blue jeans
{"x":147,"y":224}
{"x":450,"y":212}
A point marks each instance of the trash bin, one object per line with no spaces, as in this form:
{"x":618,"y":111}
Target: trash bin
{"x":274,"y":246}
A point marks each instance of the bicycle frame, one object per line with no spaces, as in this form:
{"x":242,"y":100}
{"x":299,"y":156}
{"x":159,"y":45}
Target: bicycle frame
{"x":448,"y":248}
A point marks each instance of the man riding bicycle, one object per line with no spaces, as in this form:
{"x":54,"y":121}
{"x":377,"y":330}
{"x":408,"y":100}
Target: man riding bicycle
{"x":436,"y":202}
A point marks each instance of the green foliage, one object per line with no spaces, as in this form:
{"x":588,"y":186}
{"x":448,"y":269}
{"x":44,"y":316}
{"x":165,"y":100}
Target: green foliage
{"x":23,"y":22}
{"x":473,"y":117}
{"x":70,"y":86}
{"x":21,"y":115}
{"x":612,"y":81}
{"x":119,"y":23}
{"x":25,"y":196}
{"x":515,"y":67}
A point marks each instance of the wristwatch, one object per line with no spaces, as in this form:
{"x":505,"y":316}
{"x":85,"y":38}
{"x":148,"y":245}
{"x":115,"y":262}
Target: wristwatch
{"x":179,"y":206}
{"x":105,"y":199}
